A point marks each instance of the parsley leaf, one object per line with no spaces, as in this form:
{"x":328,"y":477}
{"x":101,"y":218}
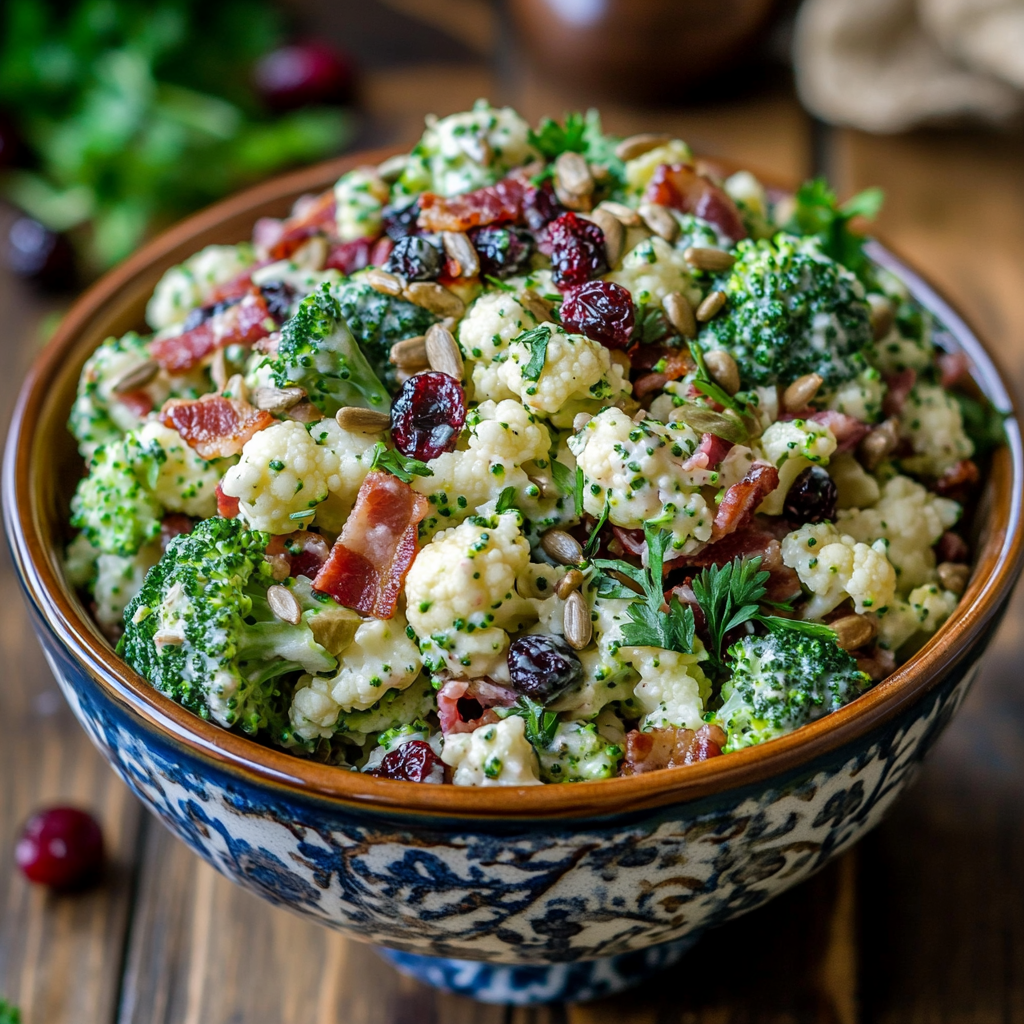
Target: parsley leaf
{"x":536,"y":341}
{"x":9,"y":1013}
{"x":497,"y":282}
{"x":552,"y":139}
{"x":541,"y":725}
{"x":394,"y":462}
{"x":568,"y":483}
{"x":506,"y":501}
{"x":591,"y":545}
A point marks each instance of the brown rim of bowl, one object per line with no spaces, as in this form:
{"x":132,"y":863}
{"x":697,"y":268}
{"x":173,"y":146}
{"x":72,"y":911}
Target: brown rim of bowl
{"x":995,"y":572}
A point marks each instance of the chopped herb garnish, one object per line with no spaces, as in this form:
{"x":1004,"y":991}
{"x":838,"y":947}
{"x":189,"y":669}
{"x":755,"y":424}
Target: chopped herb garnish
{"x":536,"y":341}
{"x":394,"y":462}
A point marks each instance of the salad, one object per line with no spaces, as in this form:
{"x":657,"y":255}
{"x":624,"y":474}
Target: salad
{"x":528,"y":456}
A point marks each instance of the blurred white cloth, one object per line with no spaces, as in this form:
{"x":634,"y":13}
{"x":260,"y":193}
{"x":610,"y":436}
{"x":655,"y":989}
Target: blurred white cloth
{"x":888,"y":65}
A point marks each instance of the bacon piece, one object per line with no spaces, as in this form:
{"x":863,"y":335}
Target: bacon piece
{"x":847,"y":430}
{"x":489,"y":205}
{"x":952,"y":548}
{"x":677,"y":363}
{"x":682,"y":188}
{"x":955,"y":481}
{"x":215,"y":426}
{"x":368,"y":564}
{"x":358,"y":254}
{"x":710,"y":452}
{"x":237,"y":288}
{"x":173,"y":525}
{"x":670,"y":748}
{"x":899,"y":386}
{"x":741,"y":500}
{"x":227,"y":506}
{"x":313,"y":216}
{"x":954,"y":367}
{"x":139,"y":402}
{"x":304,"y":551}
{"x":632,"y":541}
{"x":240,"y":324}
{"x":465,"y":704}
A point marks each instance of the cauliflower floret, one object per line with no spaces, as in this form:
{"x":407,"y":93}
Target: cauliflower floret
{"x":896,"y":352}
{"x":579,"y":753}
{"x":672,"y":687}
{"x":855,"y":487}
{"x":925,"y":609}
{"x":640,"y":170}
{"x":118,"y":580}
{"x":637,"y":471}
{"x":359,"y":197}
{"x":461,"y":595}
{"x":909,"y":519}
{"x":654,"y":269}
{"x":184,"y":482}
{"x":932,"y":422}
{"x":833,"y":566}
{"x":190,"y":284}
{"x":791,"y":446}
{"x":558,"y":374}
{"x":860,"y":398}
{"x":354,"y":450}
{"x":493,"y":755}
{"x":282,"y":472}
{"x":490,"y":323}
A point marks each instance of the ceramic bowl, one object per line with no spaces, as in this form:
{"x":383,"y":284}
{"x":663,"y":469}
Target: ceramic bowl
{"x":516,"y":895}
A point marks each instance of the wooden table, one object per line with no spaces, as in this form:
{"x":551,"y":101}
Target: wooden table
{"x":924,"y":921}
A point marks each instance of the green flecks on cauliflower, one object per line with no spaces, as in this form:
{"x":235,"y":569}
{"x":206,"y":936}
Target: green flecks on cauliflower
{"x":860,"y":398}
{"x":118,"y":580}
{"x":493,"y":755}
{"x":924,"y":610}
{"x":672,"y":687}
{"x":190,"y":284}
{"x":833,"y":566}
{"x":931,"y":420}
{"x":640,"y":170}
{"x":557,"y":374}
{"x":791,"y":446}
{"x":897,"y":352}
{"x":282,"y":473}
{"x":637,"y":471}
{"x":579,"y":753}
{"x":461,"y":596}
{"x":855,"y":487}
{"x":183,"y":482}
{"x":909,"y":519}
{"x":359,"y":197}
{"x":466,"y":151}
{"x":654,"y":269}
{"x":491,"y":322}
{"x":354,"y":451}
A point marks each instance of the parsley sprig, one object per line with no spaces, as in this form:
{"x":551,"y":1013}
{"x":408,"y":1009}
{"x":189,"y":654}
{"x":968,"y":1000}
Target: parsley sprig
{"x":394,"y":462}
{"x":541,"y":725}
{"x":569,"y":483}
{"x":536,"y":340}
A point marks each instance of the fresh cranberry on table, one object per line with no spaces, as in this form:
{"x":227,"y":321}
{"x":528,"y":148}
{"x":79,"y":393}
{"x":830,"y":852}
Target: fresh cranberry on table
{"x":601,"y":310}
{"x":503,"y":251}
{"x":415,"y":259}
{"x":577,"y":250}
{"x":414,"y":761}
{"x":61,"y":847}
{"x":40,"y":255}
{"x":303,"y":74}
{"x":428,"y":415}
{"x":812,"y":497}
{"x":543,"y":667}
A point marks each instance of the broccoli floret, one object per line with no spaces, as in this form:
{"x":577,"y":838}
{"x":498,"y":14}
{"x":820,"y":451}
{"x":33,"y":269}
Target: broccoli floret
{"x":791,"y":311}
{"x":318,"y":353}
{"x":378,"y":321}
{"x":114,"y":505}
{"x":201,"y":630}
{"x":782,"y":681}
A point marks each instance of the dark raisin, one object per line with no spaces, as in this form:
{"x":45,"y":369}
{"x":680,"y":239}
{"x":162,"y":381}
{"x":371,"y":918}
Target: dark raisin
{"x":503,"y":251}
{"x":302,"y":74}
{"x":415,"y":259}
{"x":61,"y":847}
{"x":40,"y":255}
{"x":427,"y":415}
{"x":201,"y":314}
{"x":577,"y":250}
{"x":812,"y":497}
{"x":414,"y":761}
{"x":400,"y":221}
{"x":541,"y":207}
{"x":279,"y":297}
{"x":601,"y":310}
{"x":543,"y":667}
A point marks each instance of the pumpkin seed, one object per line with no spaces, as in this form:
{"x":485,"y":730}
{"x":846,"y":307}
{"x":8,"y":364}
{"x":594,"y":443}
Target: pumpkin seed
{"x":443,"y":352}
{"x":283,"y":604}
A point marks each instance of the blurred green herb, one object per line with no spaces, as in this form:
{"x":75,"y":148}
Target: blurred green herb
{"x":983,"y":423}
{"x":9,"y":1014}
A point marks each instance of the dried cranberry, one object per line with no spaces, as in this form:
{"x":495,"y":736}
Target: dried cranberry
{"x":577,"y":250}
{"x":400,"y":221}
{"x":503,"y":251}
{"x":601,"y":310}
{"x":812,"y":497}
{"x":279,"y":297}
{"x":541,"y":206}
{"x":414,"y":761}
{"x":295,"y":76}
{"x":61,"y":847}
{"x":543,"y":667}
{"x":40,"y":255}
{"x":415,"y":259}
{"x":428,"y":415}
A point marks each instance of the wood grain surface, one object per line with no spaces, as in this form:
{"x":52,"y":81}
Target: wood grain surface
{"x":922,"y":922}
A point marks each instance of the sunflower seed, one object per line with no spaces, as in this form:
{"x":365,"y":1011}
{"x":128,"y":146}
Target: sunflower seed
{"x":460,"y":248}
{"x":443,"y":352}
{"x":853,"y":631}
{"x":954,"y":576}
{"x":277,"y":399}
{"x":614,"y":235}
{"x":882,"y":316}
{"x":576,"y":622}
{"x":723,"y":370}
{"x":799,"y":394}
{"x":538,"y":308}
{"x":562,"y":547}
{"x":234,"y":387}
{"x":283,"y":604}
{"x":680,"y":314}
{"x":659,"y":220}
{"x":367,"y":421}
{"x":880,"y":443}
{"x":434,"y":297}
{"x":571,"y":581}
{"x":545,"y":485}
{"x":711,"y":259}
{"x":574,"y":184}
{"x":382,"y":281}
{"x":137,"y":377}
{"x":626,"y":215}
{"x":637,"y":145}
{"x":410,"y":354}
{"x":713,"y":302}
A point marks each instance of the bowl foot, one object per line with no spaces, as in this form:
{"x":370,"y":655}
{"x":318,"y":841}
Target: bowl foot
{"x":532,"y":984}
